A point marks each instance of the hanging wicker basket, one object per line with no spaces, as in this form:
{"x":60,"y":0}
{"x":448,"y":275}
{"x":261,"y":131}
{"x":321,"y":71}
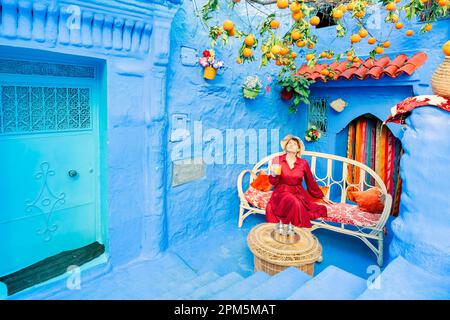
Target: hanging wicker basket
{"x":440,"y":82}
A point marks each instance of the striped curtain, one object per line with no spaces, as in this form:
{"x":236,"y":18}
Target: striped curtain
{"x":374,"y":145}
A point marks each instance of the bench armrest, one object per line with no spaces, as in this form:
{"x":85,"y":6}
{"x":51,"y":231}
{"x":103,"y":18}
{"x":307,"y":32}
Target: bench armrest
{"x":239,"y":183}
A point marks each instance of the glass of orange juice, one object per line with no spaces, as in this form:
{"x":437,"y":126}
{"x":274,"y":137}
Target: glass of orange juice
{"x":276,"y":169}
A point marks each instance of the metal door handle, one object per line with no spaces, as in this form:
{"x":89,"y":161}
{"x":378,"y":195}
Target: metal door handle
{"x":73,"y":173}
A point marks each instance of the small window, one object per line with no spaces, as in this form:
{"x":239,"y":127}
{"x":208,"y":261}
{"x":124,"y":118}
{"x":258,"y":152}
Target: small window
{"x":326,"y":18}
{"x":317,"y":114}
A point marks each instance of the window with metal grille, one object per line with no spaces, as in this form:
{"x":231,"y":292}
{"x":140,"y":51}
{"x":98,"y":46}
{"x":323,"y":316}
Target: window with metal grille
{"x":32,"y":109}
{"x":317,"y":114}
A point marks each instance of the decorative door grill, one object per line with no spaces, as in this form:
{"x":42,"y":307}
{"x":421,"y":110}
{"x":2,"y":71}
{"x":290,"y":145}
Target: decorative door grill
{"x":32,"y":109}
{"x":317,"y":114}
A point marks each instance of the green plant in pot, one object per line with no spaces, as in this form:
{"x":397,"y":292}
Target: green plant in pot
{"x":252,"y":86}
{"x":294,"y":87}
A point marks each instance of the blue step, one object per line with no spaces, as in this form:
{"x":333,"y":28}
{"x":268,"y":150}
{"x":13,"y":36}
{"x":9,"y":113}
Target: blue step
{"x":279,"y":286}
{"x":241,"y":288}
{"x":215,"y":286}
{"x":187,"y":287}
{"x":403,"y":280}
{"x":331,"y":284}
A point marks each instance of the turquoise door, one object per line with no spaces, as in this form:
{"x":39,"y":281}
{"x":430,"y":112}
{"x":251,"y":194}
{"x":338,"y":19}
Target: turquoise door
{"x":49,"y":167}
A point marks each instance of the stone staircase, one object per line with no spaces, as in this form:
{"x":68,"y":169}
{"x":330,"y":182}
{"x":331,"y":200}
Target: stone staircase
{"x":399,"y":280}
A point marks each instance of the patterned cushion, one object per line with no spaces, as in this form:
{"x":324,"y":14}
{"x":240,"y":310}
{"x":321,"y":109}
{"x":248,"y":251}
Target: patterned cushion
{"x":257,"y":198}
{"x":337,"y":212}
{"x":350,"y":214}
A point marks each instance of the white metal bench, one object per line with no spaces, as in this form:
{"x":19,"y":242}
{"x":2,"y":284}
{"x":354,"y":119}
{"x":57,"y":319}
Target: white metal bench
{"x":364,"y":232}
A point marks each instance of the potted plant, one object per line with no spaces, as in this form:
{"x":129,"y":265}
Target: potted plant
{"x":210,"y":64}
{"x":252,"y":86}
{"x":312,"y":134}
{"x":294,"y":86}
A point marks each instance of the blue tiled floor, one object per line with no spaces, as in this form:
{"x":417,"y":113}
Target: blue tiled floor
{"x":225,"y":250}
{"x":222,"y":250}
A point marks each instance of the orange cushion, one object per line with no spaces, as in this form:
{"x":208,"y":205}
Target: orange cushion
{"x":324,"y":189}
{"x":370,"y":200}
{"x":262,"y":182}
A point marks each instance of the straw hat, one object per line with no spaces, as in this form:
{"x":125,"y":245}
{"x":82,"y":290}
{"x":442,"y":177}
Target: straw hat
{"x":286,"y":139}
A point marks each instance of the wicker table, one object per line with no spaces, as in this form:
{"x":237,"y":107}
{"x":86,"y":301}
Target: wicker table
{"x":272,"y":256}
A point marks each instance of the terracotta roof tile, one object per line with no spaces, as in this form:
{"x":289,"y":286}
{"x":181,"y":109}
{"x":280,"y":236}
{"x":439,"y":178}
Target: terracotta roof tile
{"x":374,"y":68}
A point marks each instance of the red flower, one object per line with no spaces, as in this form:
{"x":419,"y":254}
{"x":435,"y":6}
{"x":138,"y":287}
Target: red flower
{"x":206,"y":54}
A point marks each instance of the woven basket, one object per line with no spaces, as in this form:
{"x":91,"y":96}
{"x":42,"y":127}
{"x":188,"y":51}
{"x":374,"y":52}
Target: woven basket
{"x":272,"y":256}
{"x":272,"y":269}
{"x":440,"y":82}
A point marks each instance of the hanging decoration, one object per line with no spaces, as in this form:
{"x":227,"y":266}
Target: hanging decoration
{"x":210,"y":64}
{"x":252,"y":86}
{"x":312,"y":134}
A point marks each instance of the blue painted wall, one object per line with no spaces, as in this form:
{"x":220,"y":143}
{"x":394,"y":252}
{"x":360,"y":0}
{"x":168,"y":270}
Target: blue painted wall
{"x":421,"y":232}
{"x":144,"y":84}
{"x":198,"y":205}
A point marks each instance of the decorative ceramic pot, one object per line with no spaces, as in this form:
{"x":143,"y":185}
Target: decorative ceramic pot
{"x":209,"y":73}
{"x":250,"y":93}
{"x":440,"y":82}
{"x":286,"y":95}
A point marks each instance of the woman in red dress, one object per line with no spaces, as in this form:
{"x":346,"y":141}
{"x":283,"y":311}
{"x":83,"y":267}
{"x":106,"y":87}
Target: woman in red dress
{"x":290,"y":202}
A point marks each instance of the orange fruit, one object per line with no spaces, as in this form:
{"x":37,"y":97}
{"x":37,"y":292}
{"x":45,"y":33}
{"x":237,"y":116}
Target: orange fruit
{"x":314,"y":21}
{"x":300,"y":43}
{"x":329,"y":56}
{"x":424,"y":1}
{"x":276,"y":49}
{"x":325,"y":72}
{"x":390,"y":6}
{"x":386,"y":44}
{"x":337,"y":14}
{"x":268,"y":55}
{"x":309,"y":56}
{"x":297,"y":15}
{"x":371,"y":40}
{"x":311,"y":46}
{"x":399,"y":25}
{"x":350,"y":6}
{"x":294,"y":55}
{"x":274,"y":24}
{"x":356,"y":59}
{"x":284,"y":51}
{"x":409,"y":33}
{"x":446,"y":48}
{"x":428,"y":27}
{"x":282,"y":4}
{"x":278,"y":62}
{"x":360,"y":14}
{"x":363,"y":33}
{"x":355,"y":38}
{"x":296,"y":34}
{"x":323,"y":54}
{"x":295,"y":7}
{"x":247,"y":52}
{"x":443,"y":3}
{"x":350,"y":58}
{"x":249,"y":40}
{"x":231,"y":32}
{"x":394,"y":18}
{"x":397,"y":1}
{"x":228,"y":25}
{"x":379,"y":50}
